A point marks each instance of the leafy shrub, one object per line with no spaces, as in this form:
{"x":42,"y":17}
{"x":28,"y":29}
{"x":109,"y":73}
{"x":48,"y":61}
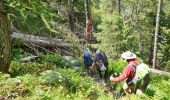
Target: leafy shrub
{"x":52,"y":77}
{"x":55,"y":59}
{"x":17,"y":68}
{"x":116,"y":66}
{"x":161,"y":86}
{"x":167,"y":67}
{"x":73,"y":82}
{"x":12,"y":87}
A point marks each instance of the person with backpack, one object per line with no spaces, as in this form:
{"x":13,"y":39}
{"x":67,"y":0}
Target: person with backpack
{"x":129,"y":74}
{"x":88,"y":61}
{"x":101,"y":63}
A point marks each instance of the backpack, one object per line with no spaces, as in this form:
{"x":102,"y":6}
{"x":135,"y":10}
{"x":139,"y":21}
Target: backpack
{"x":141,"y":70}
{"x":87,"y":59}
{"x":102,"y":61}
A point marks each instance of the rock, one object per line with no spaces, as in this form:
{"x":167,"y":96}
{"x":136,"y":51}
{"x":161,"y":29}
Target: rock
{"x":75,"y":63}
{"x":68,"y":58}
{"x":29,"y":58}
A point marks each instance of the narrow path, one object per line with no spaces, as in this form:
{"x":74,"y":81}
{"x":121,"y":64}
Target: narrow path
{"x":106,"y":88}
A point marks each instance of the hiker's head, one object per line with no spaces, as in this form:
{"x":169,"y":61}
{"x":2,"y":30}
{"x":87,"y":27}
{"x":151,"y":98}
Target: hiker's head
{"x":97,"y":51}
{"x":88,"y":50}
{"x":128,"y":56}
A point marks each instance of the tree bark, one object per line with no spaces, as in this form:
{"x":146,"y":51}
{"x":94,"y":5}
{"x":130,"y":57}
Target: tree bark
{"x":159,"y":72}
{"x":88,"y":33}
{"x":156,"y":33}
{"x":41,"y":41}
{"x":5,"y":41}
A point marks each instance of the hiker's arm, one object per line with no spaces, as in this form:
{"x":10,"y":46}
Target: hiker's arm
{"x":93,"y":64}
{"x":122,"y":76}
{"x":118,"y":79}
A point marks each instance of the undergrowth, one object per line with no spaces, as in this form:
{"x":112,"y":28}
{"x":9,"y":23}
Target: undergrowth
{"x":52,"y":78}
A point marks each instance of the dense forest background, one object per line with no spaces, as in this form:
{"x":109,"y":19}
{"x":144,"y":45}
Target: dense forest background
{"x":55,"y":29}
{"x":117,"y":25}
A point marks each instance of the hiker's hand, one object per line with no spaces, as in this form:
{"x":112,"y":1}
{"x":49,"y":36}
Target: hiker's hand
{"x":91,"y":67}
{"x":111,"y":78}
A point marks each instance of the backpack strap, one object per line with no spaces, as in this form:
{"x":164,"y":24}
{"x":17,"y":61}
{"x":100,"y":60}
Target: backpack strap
{"x":133,"y":67}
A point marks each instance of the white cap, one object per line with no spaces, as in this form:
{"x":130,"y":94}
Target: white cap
{"x":128,"y":55}
{"x":98,"y":51}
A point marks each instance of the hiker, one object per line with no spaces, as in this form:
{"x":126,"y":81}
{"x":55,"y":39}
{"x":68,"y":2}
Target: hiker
{"x":88,"y":61}
{"x":101,"y":63}
{"x":129,"y":73}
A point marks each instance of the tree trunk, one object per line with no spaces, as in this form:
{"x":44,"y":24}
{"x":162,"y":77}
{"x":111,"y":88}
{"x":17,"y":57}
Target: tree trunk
{"x":159,"y":72}
{"x":71,"y":15}
{"x":41,"y":41}
{"x":88,"y":33}
{"x":156,"y":33}
{"x":5,"y":41}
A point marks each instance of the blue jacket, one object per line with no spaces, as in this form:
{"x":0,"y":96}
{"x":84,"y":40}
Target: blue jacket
{"x":87,"y":59}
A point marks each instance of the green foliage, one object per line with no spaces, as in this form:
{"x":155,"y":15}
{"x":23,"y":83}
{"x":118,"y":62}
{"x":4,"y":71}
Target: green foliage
{"x":50,"y":85}
{"x":18,"y":53}
{"x":48,"y":78}
{"x":55,"y":59}
{"x":17,"y":68}
{"x":132,"y":29}
{"x":69,"y":79}
{"x":46,"y":62}
{"x":111,"y":27}
{"x":52,"y":77}
{"x":160,"y":87}
{"x":26,"y":15}
{"x":116,"y":66}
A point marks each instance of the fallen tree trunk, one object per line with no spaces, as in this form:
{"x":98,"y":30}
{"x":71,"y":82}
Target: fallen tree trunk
{"x":160,"y":72}
{"x":41,"y":41}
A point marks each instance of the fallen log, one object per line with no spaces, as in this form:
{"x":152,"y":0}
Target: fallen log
{"x":159,"y":72}
{"x":41,"y":41}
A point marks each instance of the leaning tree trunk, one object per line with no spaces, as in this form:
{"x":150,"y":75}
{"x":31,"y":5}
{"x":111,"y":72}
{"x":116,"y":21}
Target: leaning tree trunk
{"x":156,"y":33}
{"x":5,"y":41}
{"x":88,"y":33}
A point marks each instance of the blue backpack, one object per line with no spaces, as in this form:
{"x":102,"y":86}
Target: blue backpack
{"x":87,"y":59}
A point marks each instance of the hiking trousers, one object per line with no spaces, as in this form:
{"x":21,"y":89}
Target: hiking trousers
{"x":101,"y":75}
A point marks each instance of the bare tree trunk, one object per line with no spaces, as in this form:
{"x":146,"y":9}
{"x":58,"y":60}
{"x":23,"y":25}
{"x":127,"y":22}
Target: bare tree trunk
{"x":88,"y":33}
{"x":156,"y":33}
{"x":5,"y":41}
{"x":71,"y":15}
{"x":139,"y":31}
